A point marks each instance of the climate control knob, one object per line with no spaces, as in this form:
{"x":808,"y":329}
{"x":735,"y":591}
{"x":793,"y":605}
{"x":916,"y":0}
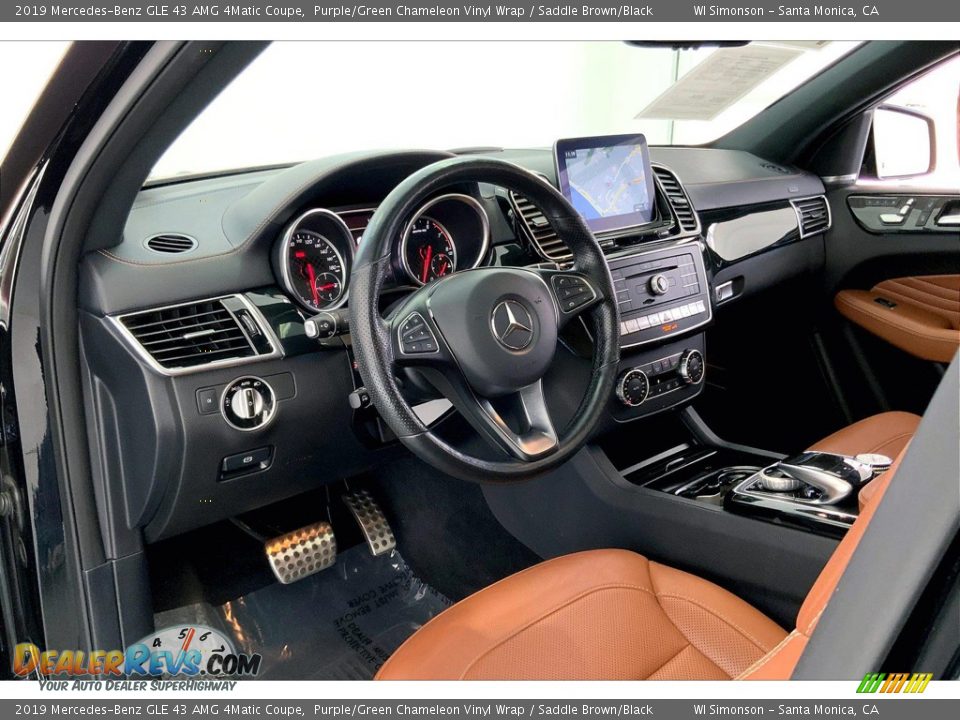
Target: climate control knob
{"x":248,"y":403}
{"x":691,"y":367}
{"x":633,"y":387}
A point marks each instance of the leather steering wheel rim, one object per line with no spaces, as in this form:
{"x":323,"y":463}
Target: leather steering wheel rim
{"x":375,"y":338}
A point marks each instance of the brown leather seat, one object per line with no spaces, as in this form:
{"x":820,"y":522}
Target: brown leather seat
{"x":885,"y":434}
{"x":614,"y":615}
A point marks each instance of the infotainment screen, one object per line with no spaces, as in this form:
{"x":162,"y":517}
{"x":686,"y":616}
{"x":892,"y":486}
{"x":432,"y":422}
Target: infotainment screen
{"x":607,"y":179}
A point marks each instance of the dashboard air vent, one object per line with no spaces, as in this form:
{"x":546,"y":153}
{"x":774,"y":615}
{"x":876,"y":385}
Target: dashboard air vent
{"x":678,"y":199}
{"x":171,"y":243}
{"x":813,"y":215}
{"x":539,"y":230}
{"x":196,"y":334}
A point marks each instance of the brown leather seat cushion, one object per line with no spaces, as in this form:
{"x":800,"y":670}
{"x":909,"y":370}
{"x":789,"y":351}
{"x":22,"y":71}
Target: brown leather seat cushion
{"x":885,"y":434}
{"x":600,"y":614}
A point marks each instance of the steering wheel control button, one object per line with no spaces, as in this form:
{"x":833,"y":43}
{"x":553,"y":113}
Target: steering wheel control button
{"x":416,"y":337}
{"x":633,"y":387}
{"x":572,"y":291}
{"x":512,"y":325}
{"x":248,"y":403}
{"x":691,"y":367}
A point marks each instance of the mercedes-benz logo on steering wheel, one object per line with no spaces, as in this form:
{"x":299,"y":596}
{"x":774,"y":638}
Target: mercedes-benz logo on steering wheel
{"x":512,"y":325}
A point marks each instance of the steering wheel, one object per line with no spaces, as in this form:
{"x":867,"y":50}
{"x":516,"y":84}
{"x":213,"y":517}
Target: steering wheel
{"x":484,"y":338}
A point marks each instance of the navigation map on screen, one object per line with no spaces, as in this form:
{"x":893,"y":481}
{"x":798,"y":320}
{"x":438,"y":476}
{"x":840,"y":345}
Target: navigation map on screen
{"x":610,"y":186}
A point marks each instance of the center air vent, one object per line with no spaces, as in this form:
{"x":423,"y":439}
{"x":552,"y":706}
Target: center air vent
{"x":813,"y":215}
{"x":179,"y":338}
{"x":678,"y":199}
{"x":539,"y":230}
{"x":171,"y":243}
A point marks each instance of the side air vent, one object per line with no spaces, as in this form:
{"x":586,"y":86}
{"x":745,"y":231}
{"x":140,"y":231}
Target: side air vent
{"x":813,"y":215}
{"x":539,"y":230}
{"x":195,"y":335}
{"x":171,"y":243}
{"x":678,"y":199}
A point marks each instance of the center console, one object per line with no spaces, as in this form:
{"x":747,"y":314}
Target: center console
{"x":662,"y":296}
{"x":813,"y":491}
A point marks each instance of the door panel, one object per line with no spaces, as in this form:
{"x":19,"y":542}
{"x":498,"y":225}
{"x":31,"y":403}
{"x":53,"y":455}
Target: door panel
{"x":880,"y":274}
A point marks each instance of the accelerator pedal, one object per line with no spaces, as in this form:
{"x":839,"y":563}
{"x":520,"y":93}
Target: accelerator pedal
{"x":301,"y":553}
{"x":372,"y":521}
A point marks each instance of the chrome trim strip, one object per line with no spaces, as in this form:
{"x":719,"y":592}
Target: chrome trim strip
{"x":421,"y":212}
{"x":839,"y":179}
{"x":145,"y":356}
{"x":794,"y":201}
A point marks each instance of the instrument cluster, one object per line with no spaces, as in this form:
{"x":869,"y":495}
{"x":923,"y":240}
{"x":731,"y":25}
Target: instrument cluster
{"x":314,"y":256}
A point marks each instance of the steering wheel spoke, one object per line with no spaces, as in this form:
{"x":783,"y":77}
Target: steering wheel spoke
{"x":519,"y":423}
{"x":573,"y":292}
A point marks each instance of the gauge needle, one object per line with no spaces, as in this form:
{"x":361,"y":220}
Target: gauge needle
{"x":328,"y":286}
{"x":313,"y":283}
{"x":426,"y":264}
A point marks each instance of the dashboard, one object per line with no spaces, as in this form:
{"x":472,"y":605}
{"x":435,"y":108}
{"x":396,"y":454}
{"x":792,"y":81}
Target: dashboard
{"x":199,"y":312}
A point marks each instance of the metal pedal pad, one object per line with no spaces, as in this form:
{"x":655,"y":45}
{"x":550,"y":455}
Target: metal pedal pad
{"x":302,"y":553}
{"x":372,"y":522}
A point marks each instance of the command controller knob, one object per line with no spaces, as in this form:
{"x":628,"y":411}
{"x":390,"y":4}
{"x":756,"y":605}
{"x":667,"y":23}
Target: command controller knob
{"x":691,"y":367}
{"x":659,"y":284}
{"x":633,"y":387}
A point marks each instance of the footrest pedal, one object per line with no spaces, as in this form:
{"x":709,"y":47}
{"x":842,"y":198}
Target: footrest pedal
{"x":301,"y":553}
{"x":372,"y":521}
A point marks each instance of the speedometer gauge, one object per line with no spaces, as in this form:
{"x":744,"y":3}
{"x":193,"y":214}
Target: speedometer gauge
{"x":428,"y":251}
{"x":315,"y":269}
{"x":313,"y":259}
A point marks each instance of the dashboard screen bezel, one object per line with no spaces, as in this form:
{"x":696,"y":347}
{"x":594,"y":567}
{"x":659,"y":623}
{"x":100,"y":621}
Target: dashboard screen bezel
{"x":615,"y":223}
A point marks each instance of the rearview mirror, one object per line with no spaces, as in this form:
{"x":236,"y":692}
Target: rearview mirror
{"x":904,"y":142}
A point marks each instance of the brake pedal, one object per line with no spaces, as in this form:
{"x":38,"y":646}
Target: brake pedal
{"x":301,"y":553}
{"x":372,"y":521}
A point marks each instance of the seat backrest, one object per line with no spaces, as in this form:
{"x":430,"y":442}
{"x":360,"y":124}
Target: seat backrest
{"x":779,"y":663}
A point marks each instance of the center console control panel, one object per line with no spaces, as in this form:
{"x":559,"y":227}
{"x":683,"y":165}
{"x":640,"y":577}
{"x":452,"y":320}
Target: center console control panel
{"x":659,"y":378}
{"x":660,"y":293}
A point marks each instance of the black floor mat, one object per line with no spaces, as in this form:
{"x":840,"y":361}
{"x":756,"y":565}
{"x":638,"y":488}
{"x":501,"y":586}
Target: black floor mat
{"x":445,"y":528}
{"x":340,"y":624}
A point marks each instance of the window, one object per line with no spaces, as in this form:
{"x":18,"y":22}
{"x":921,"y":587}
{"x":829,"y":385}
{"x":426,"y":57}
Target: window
{"x":915,"y":132}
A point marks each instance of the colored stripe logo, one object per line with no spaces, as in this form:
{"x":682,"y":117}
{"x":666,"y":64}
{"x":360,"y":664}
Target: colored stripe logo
{"x":894,"y":682}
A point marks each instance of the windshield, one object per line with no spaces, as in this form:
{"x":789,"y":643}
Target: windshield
{"x":302,"y":100}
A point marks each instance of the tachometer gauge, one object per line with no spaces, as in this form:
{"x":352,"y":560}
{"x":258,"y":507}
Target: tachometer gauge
{"x":428,"y":251}
{"x":314,"y":269}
